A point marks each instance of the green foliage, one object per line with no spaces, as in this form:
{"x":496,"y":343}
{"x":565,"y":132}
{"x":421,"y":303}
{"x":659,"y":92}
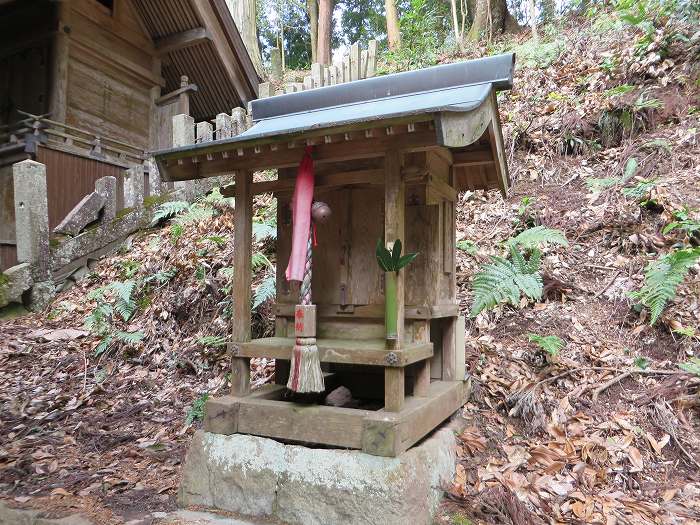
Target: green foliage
{"x":598,"y":185}
{"x":214,"y":341}
{"x":100,"y":320}
{"x":682,"y":221}
{"x":265,"y":291}
{"x":619,"y":90}
{"x":467,"y":246}
{"x":661,"y":279}
{"x":539,"y":235}
{"x":196,"y":410}
{"x":505,"y":280}
{"x":639,"y":190}
{"x":264,"y":230}
{"x":169,"y":209}
{"x":538,"y":54}
{"x":549,"y":343}
{"x":161,"y":276}
{"x":641,"y":362}
{"x":424,"y":25}
{"x":216,"y":240}
{"x":392,"y":261}
{"x":692,"y":366}
{"x":129,"y":268}
{"x":259,"y":260}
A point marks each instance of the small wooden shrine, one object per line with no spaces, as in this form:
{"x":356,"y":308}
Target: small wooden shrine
{"x":390,"y":156}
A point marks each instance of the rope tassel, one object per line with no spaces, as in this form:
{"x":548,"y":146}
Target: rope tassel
{"x":305,"y":375}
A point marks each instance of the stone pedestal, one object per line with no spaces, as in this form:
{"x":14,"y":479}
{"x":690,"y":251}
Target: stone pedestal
{"x":261,"y":477}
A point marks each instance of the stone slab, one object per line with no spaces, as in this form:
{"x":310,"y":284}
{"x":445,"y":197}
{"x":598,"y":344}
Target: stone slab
{"x":85,"y":212}
{"x":14,"y":282}
{"x":261,"y":477}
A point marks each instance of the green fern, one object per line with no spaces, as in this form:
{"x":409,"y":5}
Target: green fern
{"x":196,"y":411}
{"x":125,"y":305}
{"x":264,"y":230}
{"x":264,"y":291}
{"x":502,"y":281}
{"x":506,"y":280}
{"x":258,"y":260}
{"x":692,"y":366}
{"x":214,"y":341}
{"x":129,"y":337}
{"x":537,"y":236}
{"x":549,"y":343}
{"x":169,"y":209}
{"x":467,"y":246}
{"x":639,"y":190}
{"x":194,"y":213}
{"x":661,"y":279}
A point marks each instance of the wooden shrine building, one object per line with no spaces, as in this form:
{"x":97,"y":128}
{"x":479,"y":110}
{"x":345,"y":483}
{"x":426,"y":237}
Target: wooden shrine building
{"x":88,"y":87}
{"x":391,"y":155}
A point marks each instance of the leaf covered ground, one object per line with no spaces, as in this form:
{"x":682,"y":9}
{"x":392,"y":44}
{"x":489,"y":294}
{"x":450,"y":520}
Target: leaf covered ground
{"x":603,"y":143}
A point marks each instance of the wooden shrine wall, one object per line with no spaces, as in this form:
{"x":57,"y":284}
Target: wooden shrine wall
{"x":346,"y":276}
{"x":110,"y":72}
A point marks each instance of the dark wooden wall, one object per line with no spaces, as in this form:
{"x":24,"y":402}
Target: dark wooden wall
{"x":70,"y":177}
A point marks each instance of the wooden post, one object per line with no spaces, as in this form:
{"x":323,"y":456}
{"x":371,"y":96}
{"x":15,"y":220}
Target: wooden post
{"x":59,"y":66}
{"x":183,"y":100}
{"x":242,"y":273}
{"x":421,"y":334}
{"x":394,"y":208}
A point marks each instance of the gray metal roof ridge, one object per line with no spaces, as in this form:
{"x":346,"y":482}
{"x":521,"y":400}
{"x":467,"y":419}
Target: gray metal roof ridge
{"x":337,"y":119}
{"x":496,"y":69}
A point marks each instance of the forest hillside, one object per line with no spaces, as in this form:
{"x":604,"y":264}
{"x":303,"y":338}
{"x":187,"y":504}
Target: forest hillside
{"x":585,"y":405}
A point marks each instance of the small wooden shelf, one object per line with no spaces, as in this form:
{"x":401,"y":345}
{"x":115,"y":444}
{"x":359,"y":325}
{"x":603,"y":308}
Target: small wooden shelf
{"x":350,"y":351}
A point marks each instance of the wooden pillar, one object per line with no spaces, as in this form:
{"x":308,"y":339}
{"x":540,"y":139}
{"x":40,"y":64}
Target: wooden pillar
{"x":183,"y":102}
{"x":421,"y":334}
{"x":242,"y":274}
{"x":394,"y":208}
{"x":59,"y":64}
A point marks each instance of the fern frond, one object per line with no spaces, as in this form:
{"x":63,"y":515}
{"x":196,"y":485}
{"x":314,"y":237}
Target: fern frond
{"x":264,"y":230}
{"x":125,"y":304}
{"x":549,"y":343}
{"x":501,"y":281}
{"x":258,"y":259}
{"x":661,"y":279}
{"x":195,"y":213}
{"x":129,"y":337}
{"x":264,"y":291}
{"x":212,"y":340}
{"x":539,"y":235}
{"x":168,"y":209}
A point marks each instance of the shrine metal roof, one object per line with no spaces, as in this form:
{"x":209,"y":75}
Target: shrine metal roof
{"x":456,"y":87}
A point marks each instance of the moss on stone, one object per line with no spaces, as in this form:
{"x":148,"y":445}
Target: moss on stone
{"x":151,"y":201}
{"x":122,"y":213}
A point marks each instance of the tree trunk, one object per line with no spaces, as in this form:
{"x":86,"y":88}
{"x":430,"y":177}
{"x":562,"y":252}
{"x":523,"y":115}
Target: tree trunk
{"x":325,"y":17}
{"x":392,"y":24}
{"x":455,"y":23}
{"x":533,"y":20}
{"x":312,"y":10}
{"x":490,"y":17}
{"x":243,"y":13}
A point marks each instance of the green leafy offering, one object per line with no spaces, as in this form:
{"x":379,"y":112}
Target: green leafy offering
{"x":392,"y":261}
{"x":549,"y":343}
{"x":661,"y":279}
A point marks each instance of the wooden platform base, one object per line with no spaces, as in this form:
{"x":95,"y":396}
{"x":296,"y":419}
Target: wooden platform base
{"x":381,"y":433}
